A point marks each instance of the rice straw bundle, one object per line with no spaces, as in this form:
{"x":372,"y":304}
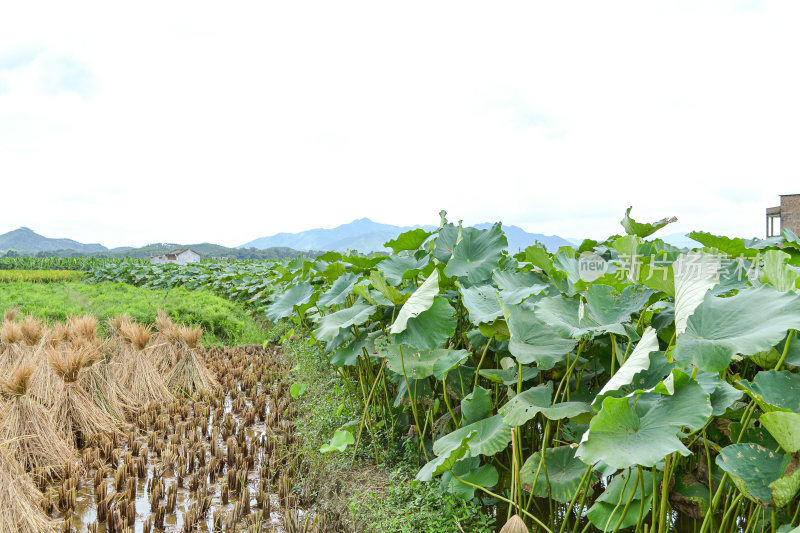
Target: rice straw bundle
{"x":75,"y":414}
{"x":115,"y":341}
{"x":28,"y":429}
{"x":11,"y":351}
{"x":166,"y":349}
{"x":82,"y":327}
{"x":190,"y":374}
{"x":20,"y":511}
{"x":11,"y":314}
{"x":58,"y":334}
{"x":135,"y":370}
{"x":32,"y":330}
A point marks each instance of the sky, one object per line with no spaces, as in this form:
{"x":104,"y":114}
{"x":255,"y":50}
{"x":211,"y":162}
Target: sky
{"x":185,"y":122}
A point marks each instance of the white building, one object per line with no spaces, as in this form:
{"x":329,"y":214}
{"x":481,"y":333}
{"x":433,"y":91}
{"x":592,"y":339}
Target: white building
{"x":180,"y":256}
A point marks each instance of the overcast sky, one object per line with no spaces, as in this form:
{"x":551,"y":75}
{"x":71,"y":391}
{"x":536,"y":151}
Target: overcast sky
{"x":224,"y":122}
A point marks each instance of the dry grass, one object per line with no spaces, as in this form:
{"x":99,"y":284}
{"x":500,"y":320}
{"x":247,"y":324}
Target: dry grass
{"x":32,"y":330}
{"x":28,"y":428}
{"x":76,"y":415}
{"x":101,"y":385}
{"x":10,"y":332}
{"x":136,"y":334}
{"x":191,"y":336}
{"x":135,"y":370}
{"x":11,"y":314}
{"x":20,"y":511}
{"x":83,"y":327}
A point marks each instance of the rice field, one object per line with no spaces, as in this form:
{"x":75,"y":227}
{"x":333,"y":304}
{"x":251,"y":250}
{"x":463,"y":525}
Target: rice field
{"x":143,"y":429}
{"x":40,"y":276}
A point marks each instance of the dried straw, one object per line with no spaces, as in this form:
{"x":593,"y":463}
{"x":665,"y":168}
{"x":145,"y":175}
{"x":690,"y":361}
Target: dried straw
{"x":20,"y":511}
{"x":190,"y":374}
{"x":83,"y":327}
{"x":11,"y":314}
{"x":75,"y":414}
{"x":134,"y":369}
{"x":32,"y":330}
{"x":28,"y":428}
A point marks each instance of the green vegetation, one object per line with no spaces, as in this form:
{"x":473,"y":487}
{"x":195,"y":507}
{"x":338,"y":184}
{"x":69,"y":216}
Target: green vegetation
{"x":223,"y":321}
{"x":363,"y":496}
{"x":40,"y":276}
{"x":55,"y":263}
{"x":623,"y":384}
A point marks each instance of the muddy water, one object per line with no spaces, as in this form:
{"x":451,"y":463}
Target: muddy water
{"x":248,"y":413}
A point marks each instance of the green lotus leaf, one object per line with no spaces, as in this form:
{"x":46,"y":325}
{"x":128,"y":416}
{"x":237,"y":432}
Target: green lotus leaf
{"x":766,"y":359}
{"x":329,"y":325}
{"x":509,"y":376}
{"x":408,"y":240}
{"x":534,"y":341}
{"x":284,"y":305}
{"x":396,"y":268}
{"x":607,"y":510}
{"x":733,"y":247}
{"x":421,"y":300}
{"x":348,"y":354}
{"x":363,"y":263}
{"x":750,"y":322}
{"x":537,"y":255}
{"x":497,"y":329}
{"x":483,"y":476}
{"x":447,"y":457}
{"x":339,"y":291}
{"x":642,"y":229}
{"x":643,"y":432}
{"x":604,"y":312}
{"x":493,"y":436}
{"x":418,"y":364}
{"x":637,"y":361}
{"x":340,"y":441}
{"x":445,"y":242}
{"x":481,"y":302}
{"x":784,"y":427}
{"x":431,"y":328}
{"x":390,"y":293}
{"x":694,"y":274}
{"x":564,"y":473}
{"x":775,"y":390}
{"x":777,"y":273}
{"x":476,"y":405}
{"x":449,"y":362}
{"x":525,"y":405}
{"x":755,"y":469}
{"x":477,"y":254}
{"x":723,"y":394}
{"x":516,"y":286}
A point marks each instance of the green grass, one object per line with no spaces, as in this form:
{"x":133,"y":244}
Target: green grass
{"x":366,"y":496}
{"x":40,"y":276}
{"x":223,"y":321}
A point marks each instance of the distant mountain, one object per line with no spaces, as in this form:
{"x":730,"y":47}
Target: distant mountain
{"x":519,"y":239}
{"x":206,"y":251}
{"x":365,"y":235}
{"x":680,"y":240}
{"x":25,"y":240}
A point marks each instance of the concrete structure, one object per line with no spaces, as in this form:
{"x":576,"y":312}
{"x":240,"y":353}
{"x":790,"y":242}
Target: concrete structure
{"x":786,"y":215}
{"x":181,"y":256}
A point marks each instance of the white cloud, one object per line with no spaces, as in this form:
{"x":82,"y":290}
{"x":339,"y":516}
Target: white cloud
{"x":267,"y":117}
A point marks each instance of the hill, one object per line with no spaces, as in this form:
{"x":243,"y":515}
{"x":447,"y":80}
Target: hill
{"x":366,"y":236}
{"x":25,"y":240}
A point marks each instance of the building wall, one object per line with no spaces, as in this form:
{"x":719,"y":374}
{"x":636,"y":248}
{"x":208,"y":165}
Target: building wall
{"x":790,"y":212}
{"x":188,"y":257}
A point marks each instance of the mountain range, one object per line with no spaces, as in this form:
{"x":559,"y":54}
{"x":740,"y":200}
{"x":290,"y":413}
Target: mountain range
{"x":365,"y":235}
{"x":362,"y":234}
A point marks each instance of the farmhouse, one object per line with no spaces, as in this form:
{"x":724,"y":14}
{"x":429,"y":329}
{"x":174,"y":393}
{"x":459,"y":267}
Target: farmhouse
{"x":180,"y":256}
{"x":786,"y":215}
